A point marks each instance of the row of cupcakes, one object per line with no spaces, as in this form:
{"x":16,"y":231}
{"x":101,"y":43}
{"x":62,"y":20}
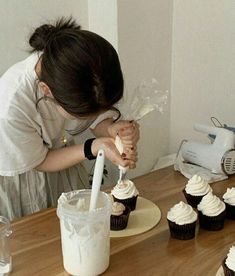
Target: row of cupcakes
{"x":125,"y":196}
{"x":211,"y":210}
{"x":197,"y":188}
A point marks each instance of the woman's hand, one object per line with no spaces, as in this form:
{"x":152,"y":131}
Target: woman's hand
{"x":111,"y":152}
{"x":128,"y":131}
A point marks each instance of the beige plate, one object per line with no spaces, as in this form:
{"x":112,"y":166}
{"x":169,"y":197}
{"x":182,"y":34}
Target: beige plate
{"x":220,"y":272}
{"x":143,"y":218}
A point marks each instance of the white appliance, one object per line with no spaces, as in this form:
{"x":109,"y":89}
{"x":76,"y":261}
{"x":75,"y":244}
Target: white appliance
{"x":219,"y":157}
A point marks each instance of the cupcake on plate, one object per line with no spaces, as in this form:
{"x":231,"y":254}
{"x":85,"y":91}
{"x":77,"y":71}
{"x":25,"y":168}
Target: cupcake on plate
{"x":195,"y":189}
{"x":119,"y":217}
{"x":211,"y":212}
{"x":229,"y":263}
{"x":182,"y":221}
{"x":126,"y":193}
{"x":229,"y":200}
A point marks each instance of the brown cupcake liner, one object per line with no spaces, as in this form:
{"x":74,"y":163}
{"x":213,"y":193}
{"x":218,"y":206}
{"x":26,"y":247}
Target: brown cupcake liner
{"x":230,"y":211}
{"x":182,"y":232}
{"x":212,"y":223}
{"x":192,"y":200}
{"x":227,"y":271}
{"x":130,"y":202}
{"x":120,"y":222}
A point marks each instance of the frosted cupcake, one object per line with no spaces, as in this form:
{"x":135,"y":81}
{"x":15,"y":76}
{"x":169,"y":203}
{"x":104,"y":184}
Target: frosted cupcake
{"x":229,"y":199}
{"x":195,"y":189}
{"x":229,"y":263}
{"x":119,"y":216}
{"x":212,"y":213}
{"x":126,"y":193}
{"x":182,"y":221}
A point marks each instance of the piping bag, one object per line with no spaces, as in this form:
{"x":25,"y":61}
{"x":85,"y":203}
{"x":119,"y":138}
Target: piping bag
{"x":145,"y":99}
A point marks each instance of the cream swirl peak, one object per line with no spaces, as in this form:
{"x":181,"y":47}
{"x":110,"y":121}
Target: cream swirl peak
{"x":181,"y":214}
{"x":229,"y":196}
{"x":197,"y":186}
{"x":125,"y":189}
{"x":211,"y":205}
{"x":118,"y":209}
{"x":230,"y":260}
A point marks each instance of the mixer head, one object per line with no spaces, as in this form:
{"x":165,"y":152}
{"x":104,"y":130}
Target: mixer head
{"x":228,"y":162}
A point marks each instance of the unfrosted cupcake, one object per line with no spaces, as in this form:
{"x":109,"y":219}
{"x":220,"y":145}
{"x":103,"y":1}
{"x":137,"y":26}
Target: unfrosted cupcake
{"x":119,"y":216}
{"x":212,"y":213}
{"x":229,"y":263}
{"x":126,"y":193}
{"x":195,"y":189}
{"x":229,"y":199}
{"x":182,"y":221}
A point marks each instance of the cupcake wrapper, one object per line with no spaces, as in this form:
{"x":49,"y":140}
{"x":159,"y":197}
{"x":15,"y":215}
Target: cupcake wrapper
{"x":130,"y":202}
{"x":227,"y":271}
{"x":212,"y":223}
{"x":192,"y":200}
{"x":230,"y":211}
{"x":120,"y":222}
{"x":182,"y":232}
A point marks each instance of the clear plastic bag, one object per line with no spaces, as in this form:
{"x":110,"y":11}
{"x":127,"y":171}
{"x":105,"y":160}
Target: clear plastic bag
{"x":146,"y":98}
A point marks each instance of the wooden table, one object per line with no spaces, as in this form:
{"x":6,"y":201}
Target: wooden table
{"x":36,"y":249}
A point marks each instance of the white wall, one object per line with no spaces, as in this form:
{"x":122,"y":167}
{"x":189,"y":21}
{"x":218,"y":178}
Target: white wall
{"x":203,"y":66}
{"x":102,"y":19}
{"x":144,"y":43}
{"x":19,"y":17}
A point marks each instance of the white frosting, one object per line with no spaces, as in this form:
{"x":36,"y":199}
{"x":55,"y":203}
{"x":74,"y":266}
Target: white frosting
{"x":229,"y":196}
{"x":181,"y":214}
{"x":230,"y":261}
{"x":211,"y":205}
{"x":120,"y":148}
{"x":124,"y":189}
{"x":84,"y":237}
{"x":197,"y":186}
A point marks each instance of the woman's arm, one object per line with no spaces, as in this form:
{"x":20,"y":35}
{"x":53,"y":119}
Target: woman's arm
{"x":60,"y":159}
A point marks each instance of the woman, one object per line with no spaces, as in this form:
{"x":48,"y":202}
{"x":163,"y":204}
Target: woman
{"x":69,"y":83}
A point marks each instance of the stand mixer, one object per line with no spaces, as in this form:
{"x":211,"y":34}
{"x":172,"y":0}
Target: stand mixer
{"x":219,"y":157}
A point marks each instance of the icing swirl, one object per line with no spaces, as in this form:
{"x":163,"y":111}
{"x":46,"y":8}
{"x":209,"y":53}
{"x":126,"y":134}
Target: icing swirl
{"x":181,"y":214}
{"x":230,"y":260}
{"x":229,"y":196}
{"x":118,"y":209}
{"x":211,"y":205}
{"x":125,"y":189}
{"x":197,"y":186}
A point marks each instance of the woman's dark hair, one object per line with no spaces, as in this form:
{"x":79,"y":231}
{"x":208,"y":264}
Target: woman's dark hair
{"x":81,"y":68}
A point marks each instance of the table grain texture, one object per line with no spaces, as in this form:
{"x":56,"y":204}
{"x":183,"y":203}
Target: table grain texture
{"x":36,"y":249}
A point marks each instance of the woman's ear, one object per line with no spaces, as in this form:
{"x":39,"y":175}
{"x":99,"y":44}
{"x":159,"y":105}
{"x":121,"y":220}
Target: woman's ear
{"x":45,"y":89}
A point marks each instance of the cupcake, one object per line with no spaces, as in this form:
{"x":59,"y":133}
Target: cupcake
{"x":229,"y":200}
{"x":211,"y":212}
{"x":229,"y":263}
{"x":195,"y":189}
{"x":119,"y":217}
{"x":126,"y":193}
{"x":182,"y":221}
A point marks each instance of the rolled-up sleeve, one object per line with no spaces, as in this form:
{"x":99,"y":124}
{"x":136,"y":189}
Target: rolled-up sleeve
{"x":22,"y":148}
{"x":110,"y":114}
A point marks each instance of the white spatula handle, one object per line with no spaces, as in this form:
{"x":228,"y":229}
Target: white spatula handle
{"x":97,"y":179}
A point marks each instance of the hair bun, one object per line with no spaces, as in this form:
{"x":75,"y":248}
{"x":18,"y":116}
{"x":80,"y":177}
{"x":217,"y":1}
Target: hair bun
{"x":40,"y":37}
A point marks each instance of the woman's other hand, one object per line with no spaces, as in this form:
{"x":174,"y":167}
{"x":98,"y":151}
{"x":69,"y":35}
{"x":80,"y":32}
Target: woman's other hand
{"x":111,"y":152}
{"x":128,"y":131}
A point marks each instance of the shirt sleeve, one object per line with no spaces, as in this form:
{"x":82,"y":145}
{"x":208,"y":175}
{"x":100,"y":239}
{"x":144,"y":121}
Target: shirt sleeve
{"x":110,"y":114}
{"x":22,"y":148}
